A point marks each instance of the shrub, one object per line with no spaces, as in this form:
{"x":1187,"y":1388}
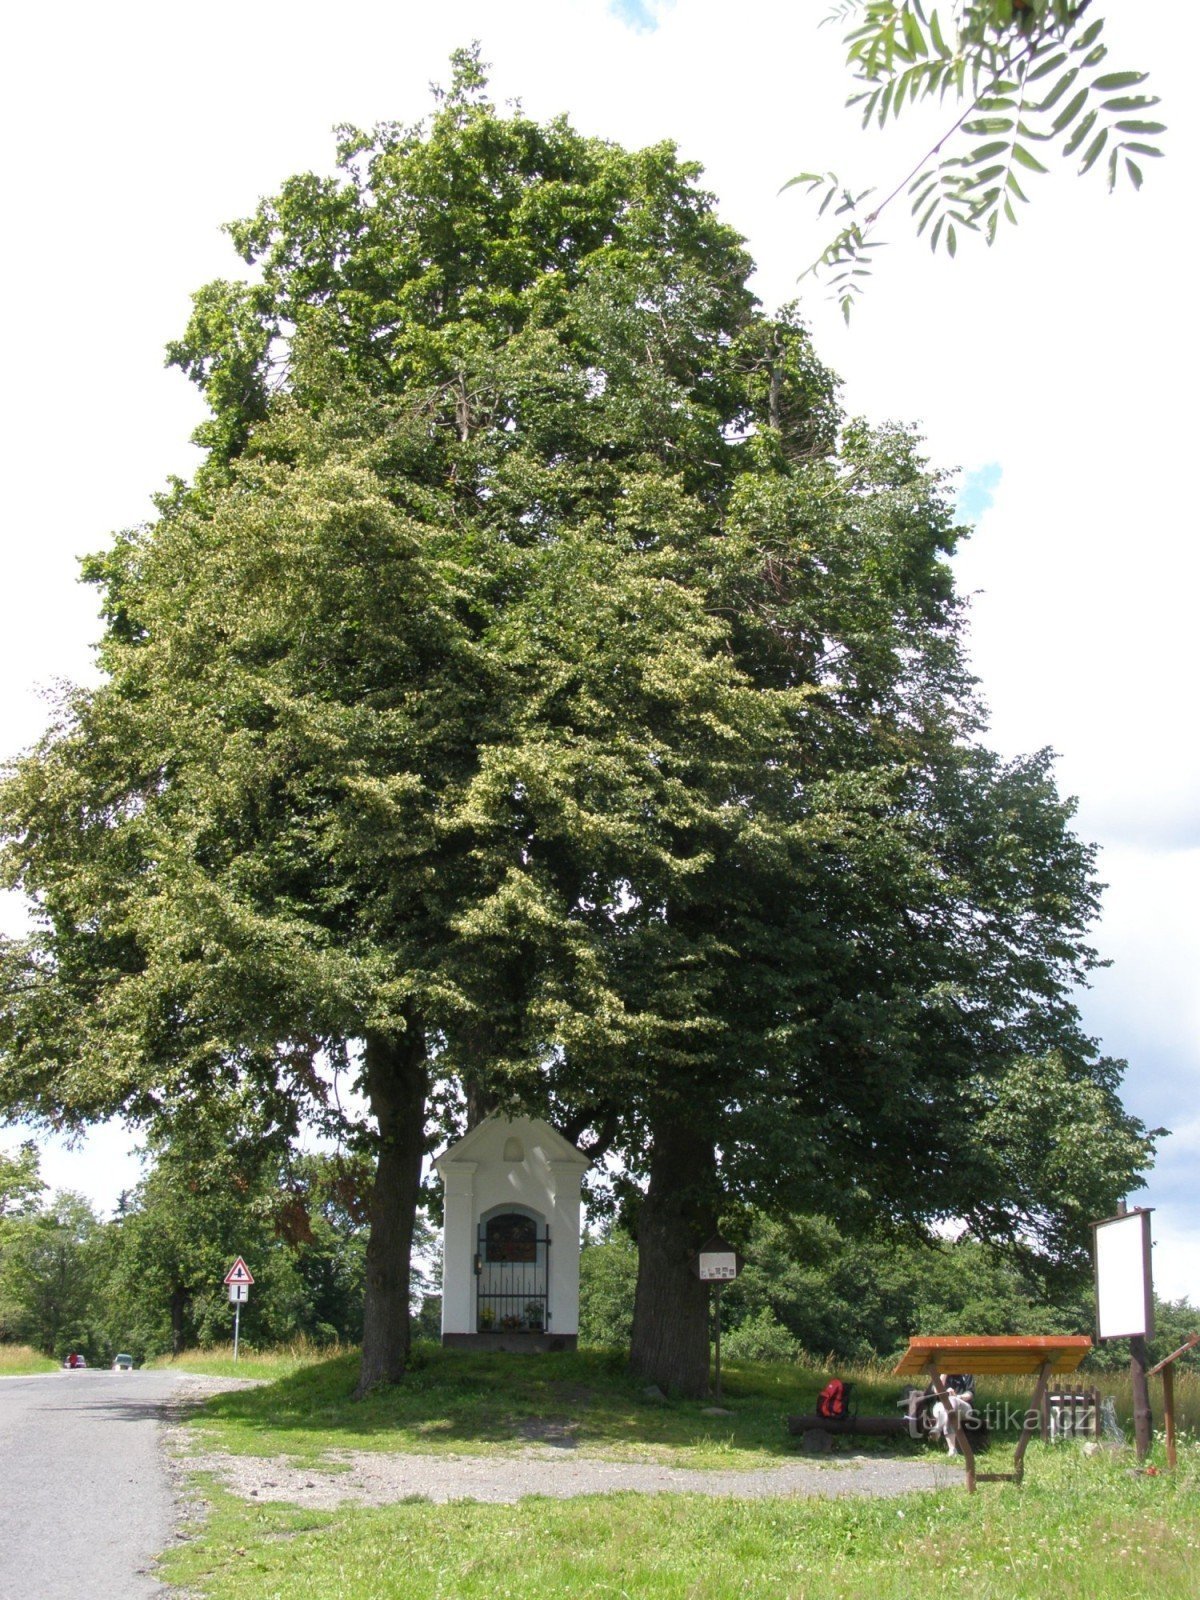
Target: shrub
{"x":761,"y":1337}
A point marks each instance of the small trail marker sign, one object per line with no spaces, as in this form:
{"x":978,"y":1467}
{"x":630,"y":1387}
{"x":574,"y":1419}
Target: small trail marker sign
{"x":717,"y":1266}
{"x":239,"y":1272}
{"x":717,"y":1262}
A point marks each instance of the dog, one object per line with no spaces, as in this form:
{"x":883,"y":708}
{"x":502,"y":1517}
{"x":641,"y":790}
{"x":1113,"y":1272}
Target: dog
{"x":960,"y":1408}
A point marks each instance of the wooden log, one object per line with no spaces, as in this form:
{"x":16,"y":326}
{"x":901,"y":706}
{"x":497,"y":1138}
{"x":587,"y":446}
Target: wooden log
{"x":872,"y":1427}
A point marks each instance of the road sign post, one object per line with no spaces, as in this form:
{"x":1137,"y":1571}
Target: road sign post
{"x":717,"y":1263}
{"x":238,"y":1280}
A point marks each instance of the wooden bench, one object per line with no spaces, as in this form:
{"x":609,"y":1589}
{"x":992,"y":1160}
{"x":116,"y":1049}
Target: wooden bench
{"x":1071,"y":1413}
{"x":1003,"y":1355}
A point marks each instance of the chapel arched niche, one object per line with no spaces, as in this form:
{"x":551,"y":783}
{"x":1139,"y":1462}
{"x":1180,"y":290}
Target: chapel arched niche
{"x":512,"y":1270}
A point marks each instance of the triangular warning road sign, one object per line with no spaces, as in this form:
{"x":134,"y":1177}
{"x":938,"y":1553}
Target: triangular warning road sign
{"x":239,"y":1272}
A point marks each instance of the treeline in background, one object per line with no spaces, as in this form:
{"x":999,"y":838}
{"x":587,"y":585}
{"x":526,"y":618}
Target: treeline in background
{"x":149,"y":1280}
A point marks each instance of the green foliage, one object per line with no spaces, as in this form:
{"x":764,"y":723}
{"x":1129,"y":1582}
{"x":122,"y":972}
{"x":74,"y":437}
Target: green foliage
{"x":810,"y":1292}
{"x":853,"y":1300}
{"x":49,"y":1267}
{"x":1174,"y":1321}
{"x":293,"y":813}
{"x":759,"y":1337}
{"x":607,"y":1280}
{"x":20,"y":1183}
{"x":299,"y":1222}
{"x":151,"y":1279}
{"x":1027,"y":75}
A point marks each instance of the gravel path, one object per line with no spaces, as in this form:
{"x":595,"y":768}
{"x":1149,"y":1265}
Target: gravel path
{"x":371,"y":1478}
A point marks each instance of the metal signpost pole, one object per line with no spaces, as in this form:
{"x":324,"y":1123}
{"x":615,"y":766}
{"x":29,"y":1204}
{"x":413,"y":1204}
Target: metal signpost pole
{"x":237,"y":1324}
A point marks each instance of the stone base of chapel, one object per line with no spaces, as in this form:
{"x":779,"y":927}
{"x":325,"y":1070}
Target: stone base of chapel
{"x":516,"y":1341}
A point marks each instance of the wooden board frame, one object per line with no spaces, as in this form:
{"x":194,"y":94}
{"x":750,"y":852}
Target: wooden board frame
{"x":1132,"y":1222}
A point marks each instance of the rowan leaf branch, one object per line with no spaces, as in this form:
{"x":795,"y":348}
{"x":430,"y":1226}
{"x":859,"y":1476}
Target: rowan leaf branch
{"x":1028,"y":75}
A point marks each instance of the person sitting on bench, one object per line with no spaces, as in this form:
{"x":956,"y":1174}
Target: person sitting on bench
{"x":960,"y":1384}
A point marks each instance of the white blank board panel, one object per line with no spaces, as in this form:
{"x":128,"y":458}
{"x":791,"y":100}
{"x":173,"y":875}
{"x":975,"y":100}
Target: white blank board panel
{"x":1123,"y":1302}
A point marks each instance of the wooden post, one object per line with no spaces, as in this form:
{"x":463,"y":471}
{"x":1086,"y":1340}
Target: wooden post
{"x":1142,"y":1422}
{"x":1167,"y":1368}
{"x":1168,"y":1378}
{"x":717,"y":1296}
{"x":1032,"y":1415}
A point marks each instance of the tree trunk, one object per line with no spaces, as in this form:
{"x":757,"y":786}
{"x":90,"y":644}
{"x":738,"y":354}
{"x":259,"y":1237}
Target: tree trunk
{"x":670,"y":1313}
{"x":481,"y":1101}
{"x":396,"y":1082}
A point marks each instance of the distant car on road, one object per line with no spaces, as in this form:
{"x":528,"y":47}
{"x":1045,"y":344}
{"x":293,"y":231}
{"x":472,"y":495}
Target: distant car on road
{"x":74,"y":1360}
{"x":122,"y":1363}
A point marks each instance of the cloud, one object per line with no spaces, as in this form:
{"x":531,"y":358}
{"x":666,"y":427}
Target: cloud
{"x":1176,"y":1259}
{"x":640,"y":15}
{"x":98,"y":1164}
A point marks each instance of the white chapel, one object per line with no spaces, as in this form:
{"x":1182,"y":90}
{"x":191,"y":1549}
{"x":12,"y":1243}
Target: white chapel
{"x":510,"y":1241}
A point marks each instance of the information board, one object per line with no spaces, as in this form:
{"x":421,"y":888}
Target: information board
{"x":1124,"y":1286}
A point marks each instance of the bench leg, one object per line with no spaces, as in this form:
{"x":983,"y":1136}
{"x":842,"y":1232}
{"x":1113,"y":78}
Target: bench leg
{"x":957,"y":1433}
{"x":1034,"y":1411}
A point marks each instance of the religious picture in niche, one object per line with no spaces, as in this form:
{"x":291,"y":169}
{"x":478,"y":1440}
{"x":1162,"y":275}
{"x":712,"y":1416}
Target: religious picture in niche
{"x":511,"y":1237}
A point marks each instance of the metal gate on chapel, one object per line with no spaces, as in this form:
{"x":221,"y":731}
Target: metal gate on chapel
{"x":512,"y":1262}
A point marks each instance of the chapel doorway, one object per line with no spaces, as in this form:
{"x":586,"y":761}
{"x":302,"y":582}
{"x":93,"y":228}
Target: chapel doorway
{"x":512,"y":1272}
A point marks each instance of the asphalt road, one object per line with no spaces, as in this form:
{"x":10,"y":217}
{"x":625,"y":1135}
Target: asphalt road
{"x":85,"y":1502}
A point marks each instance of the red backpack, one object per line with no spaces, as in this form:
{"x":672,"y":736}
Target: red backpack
{"x":831,"y":1402}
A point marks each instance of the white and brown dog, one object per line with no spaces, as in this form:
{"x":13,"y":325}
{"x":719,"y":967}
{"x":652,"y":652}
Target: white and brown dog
{"x":958,"y":1408}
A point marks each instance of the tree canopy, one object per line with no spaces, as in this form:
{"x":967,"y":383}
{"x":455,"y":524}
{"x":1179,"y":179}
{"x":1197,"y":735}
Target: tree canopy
{"x":544,"y":693}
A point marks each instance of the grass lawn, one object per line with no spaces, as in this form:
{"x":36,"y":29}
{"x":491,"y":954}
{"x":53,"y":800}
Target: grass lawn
{"x":17,"y":1360}
{"x":263,"y":1364}
{"x":483,"y":1403}
{"x":492,"y":1403}
{"x":1079,"y":1529}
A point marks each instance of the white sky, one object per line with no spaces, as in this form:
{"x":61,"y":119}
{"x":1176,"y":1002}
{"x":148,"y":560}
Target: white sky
{"x":1062,"y":361}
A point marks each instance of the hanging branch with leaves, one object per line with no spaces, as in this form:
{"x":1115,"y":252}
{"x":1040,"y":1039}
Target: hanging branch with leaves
{"x":1026,"y":73}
